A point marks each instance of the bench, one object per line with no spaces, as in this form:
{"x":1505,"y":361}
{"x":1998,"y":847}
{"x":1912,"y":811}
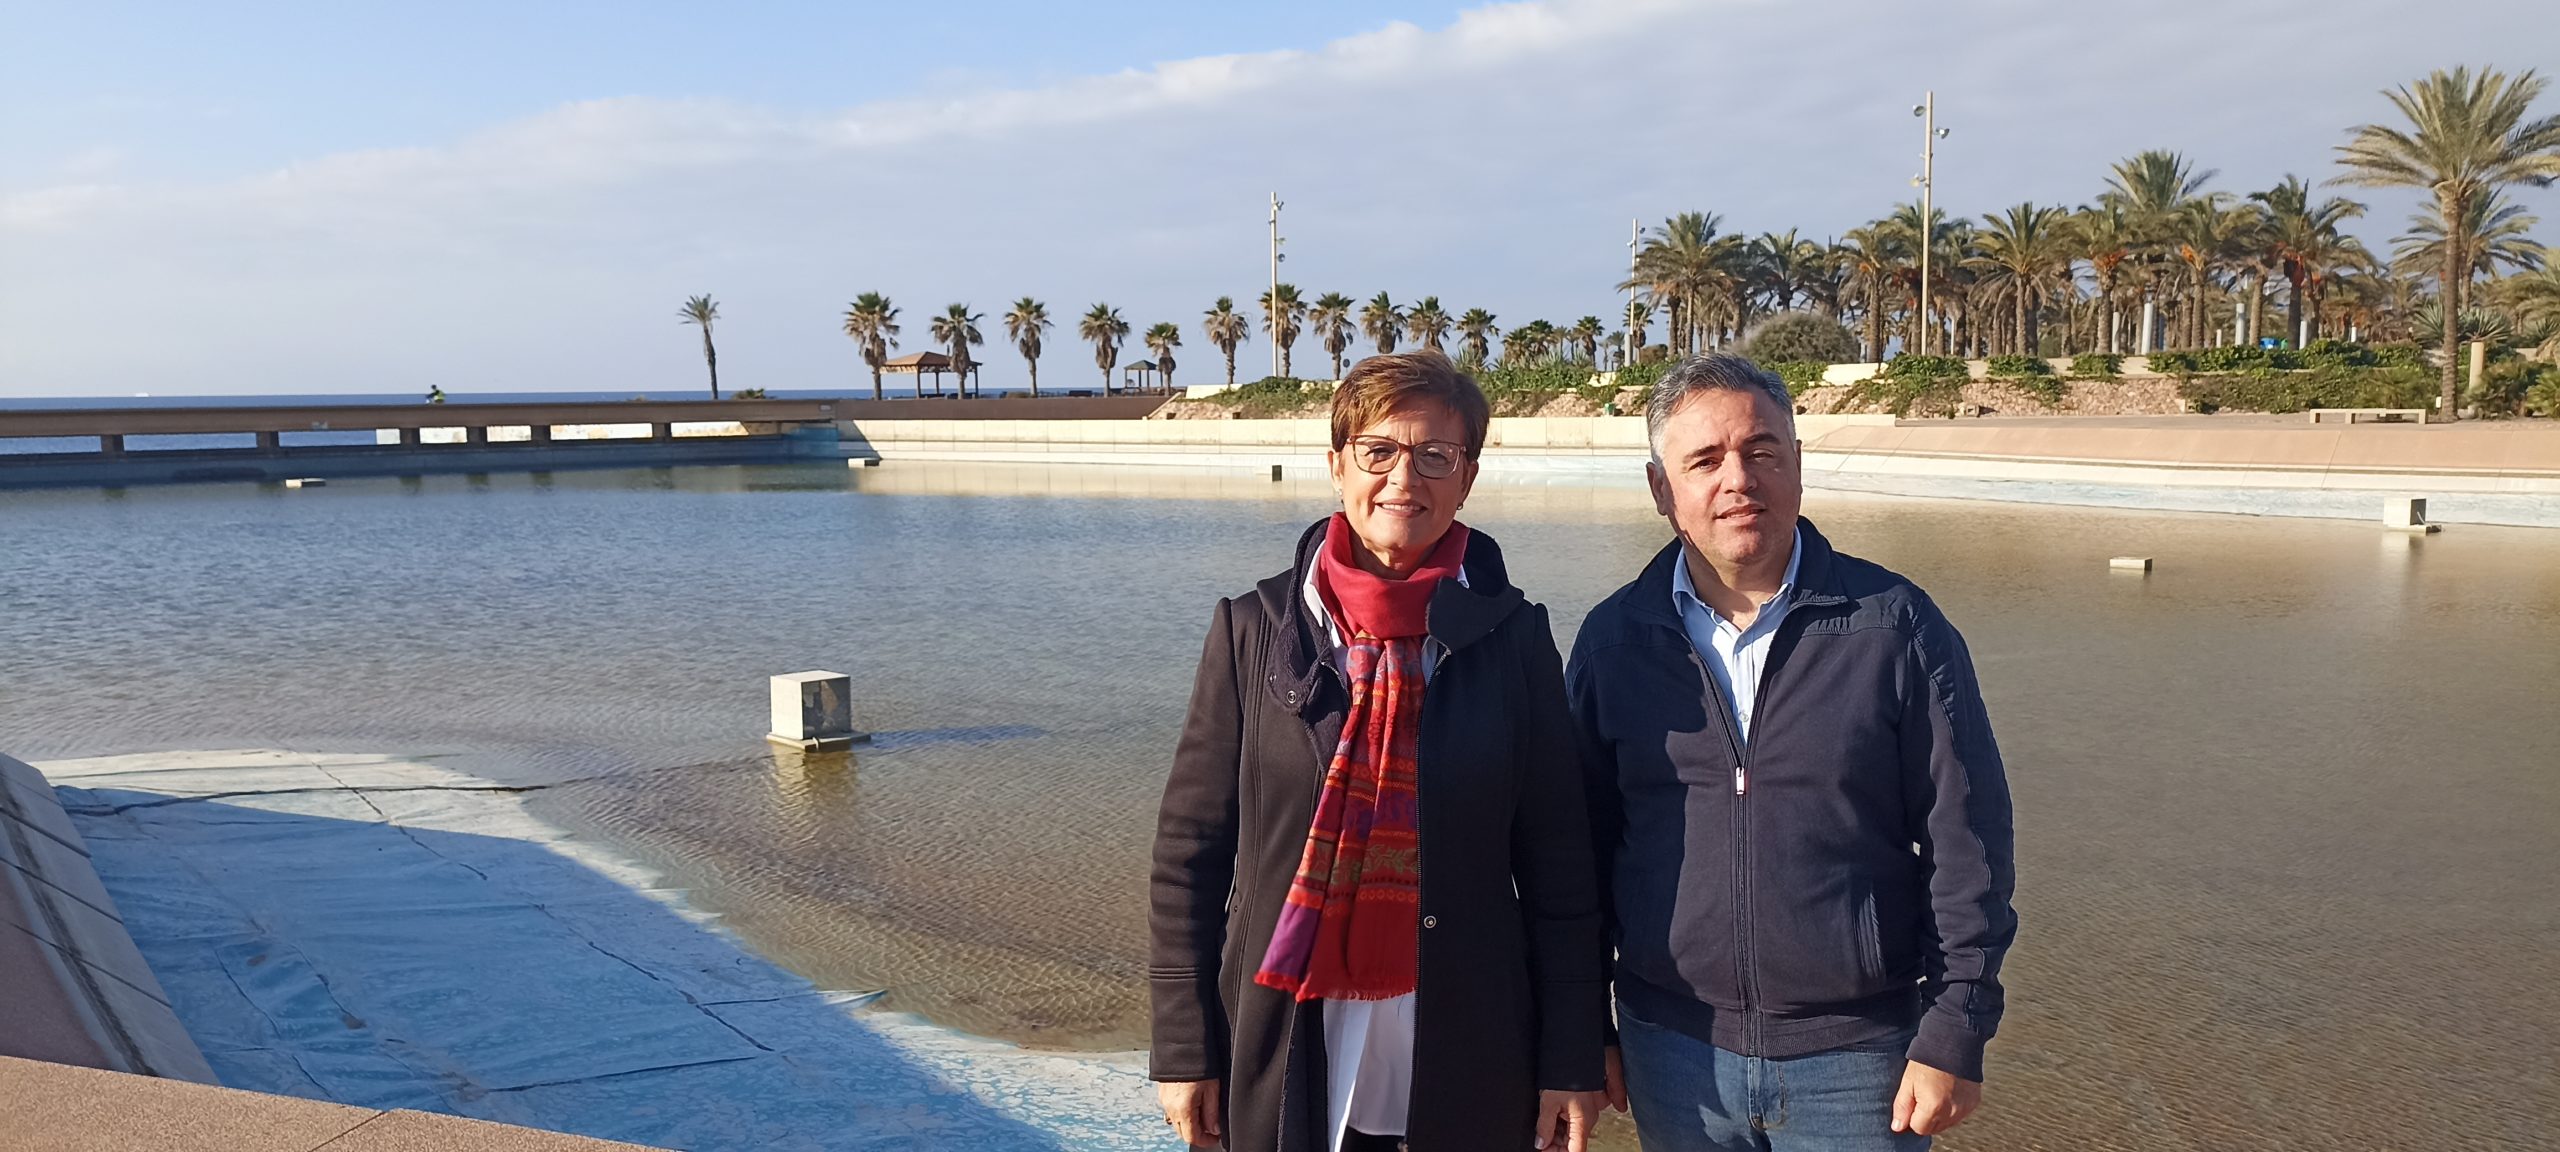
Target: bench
{"x":2417,"y":414}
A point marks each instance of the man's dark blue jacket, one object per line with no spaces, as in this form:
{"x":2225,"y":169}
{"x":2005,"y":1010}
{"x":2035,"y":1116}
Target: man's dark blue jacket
{"x":1844,"y":875}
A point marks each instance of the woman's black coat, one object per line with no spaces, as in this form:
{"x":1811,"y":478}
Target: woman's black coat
{"x":1511,"y":996}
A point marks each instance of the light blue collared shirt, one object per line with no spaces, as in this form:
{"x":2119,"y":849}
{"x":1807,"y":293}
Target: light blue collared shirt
{"x":1733,"y":656}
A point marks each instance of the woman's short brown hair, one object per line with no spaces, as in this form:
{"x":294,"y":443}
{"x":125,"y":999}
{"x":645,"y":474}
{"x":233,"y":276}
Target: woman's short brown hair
{"x":1378,"y":386}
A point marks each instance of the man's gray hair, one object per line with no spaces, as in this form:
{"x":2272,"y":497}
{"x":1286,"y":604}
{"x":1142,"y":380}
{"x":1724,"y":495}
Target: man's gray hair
{"x":1713,"y":372}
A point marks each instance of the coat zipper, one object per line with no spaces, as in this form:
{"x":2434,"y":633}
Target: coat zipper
{"x":1751,"y":1021}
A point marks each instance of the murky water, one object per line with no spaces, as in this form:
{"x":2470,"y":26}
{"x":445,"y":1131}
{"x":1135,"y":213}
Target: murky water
{"x":2289,"y":807}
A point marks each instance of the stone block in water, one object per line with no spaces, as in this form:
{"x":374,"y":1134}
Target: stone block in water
{"x":813,"y":711}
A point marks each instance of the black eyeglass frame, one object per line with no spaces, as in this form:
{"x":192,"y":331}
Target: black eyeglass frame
{"x":1359,"y":459}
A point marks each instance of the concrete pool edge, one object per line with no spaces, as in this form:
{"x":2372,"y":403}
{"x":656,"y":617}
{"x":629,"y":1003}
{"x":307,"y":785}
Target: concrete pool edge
{"x":215,"y":825}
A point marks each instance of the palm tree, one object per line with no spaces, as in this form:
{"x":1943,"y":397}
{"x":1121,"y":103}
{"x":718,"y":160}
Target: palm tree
{"x":2533,"y":301}
{"x":2203,"y":235}
{"x":1283,"y":320}
{"x":1685,"y":266}
{"x":1333,"y":324}
{"x":2029,"y":248}
{"x":1103,"y":326}
{"x":703,"y":310}
{"x":872,"y":321}
{"x":1476,"y":326}
{"x":2300,"y":235}
{"x":1226,"y":328}
{"x":1381,"y":321}
{"x":1162,"y":339}
{"x":1427,"y":323}
{"x":2109,"y":237}
{"x":1587,"y":332}
{"x":1639,"y":321}
{"x":1023,"y":324}
{"x":2495,"y":231}
{"x":956,"y":329}
{"x":1874,"y":257}
{"x":1945,"y":240}
{"x":2467,"y":137}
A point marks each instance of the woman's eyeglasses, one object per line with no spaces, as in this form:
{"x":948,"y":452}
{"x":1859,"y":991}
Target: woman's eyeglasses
{"x":1432,"y":459}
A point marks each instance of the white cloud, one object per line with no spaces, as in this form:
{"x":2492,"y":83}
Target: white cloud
{"x":1493,"y":162}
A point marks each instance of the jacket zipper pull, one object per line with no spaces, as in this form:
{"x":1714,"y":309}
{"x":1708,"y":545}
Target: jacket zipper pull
{"x":1741,"y":783}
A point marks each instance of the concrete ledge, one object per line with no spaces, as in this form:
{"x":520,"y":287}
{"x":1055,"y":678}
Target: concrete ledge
{"x":1243,"y":443}
{"x":73,"y":988}
{"x":2515,"y":460}
{"x":54,"y":1108}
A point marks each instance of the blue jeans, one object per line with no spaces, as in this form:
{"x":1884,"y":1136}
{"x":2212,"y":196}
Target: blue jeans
{"x":1691,"y":1096}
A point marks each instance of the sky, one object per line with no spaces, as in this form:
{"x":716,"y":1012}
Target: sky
{"x":325,"y":197}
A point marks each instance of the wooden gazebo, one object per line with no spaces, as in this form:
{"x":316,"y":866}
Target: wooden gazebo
{"x":1137,"y":375}
{"x":916,"y":364}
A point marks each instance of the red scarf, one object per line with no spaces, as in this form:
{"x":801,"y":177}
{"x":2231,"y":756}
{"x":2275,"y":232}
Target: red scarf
{"x":1350,"y":928}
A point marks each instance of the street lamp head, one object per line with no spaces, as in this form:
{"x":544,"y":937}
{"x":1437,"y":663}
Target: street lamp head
{"x":1942,"y":133}
{"x":1919,"y":109}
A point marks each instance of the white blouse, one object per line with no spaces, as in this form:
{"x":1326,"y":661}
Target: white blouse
{"x":1368,"y":1044}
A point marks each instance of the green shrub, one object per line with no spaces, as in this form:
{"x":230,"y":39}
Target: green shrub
{"x":741,"y":394}
{"x":2008,"y":366}
{"x":1932,"y":393}
{"x":1271,"y":396}
{"x":2543,"y":398}
{"x":1799,"y":374}
{"x":1800,"y":337}
{"x":2505,"y":389}
{"x":1520,"y":390}
{"x":2400,"y":355}
{"x":2312,"y":388}
{"x":1914,"y":366}
{"x":1643,"y":375}
{"x":2096,"y":365}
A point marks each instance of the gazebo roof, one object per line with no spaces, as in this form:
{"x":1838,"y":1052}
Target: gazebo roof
{"x":919,"y":361}
{"x":1140,"y":366}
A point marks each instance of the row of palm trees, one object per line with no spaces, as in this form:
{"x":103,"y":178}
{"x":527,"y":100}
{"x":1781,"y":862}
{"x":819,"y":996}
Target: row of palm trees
{"x":2160,"y":258}
{"x":872,"y":321}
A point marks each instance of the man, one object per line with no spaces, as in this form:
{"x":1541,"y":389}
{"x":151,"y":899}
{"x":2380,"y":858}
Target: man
{"x":1800,"y":814}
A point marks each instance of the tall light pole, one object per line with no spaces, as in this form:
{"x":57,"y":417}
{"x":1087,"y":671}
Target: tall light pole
{"x":1271,"y":310}
{"x":1635,"y":235}
{"x":1930,"y":134}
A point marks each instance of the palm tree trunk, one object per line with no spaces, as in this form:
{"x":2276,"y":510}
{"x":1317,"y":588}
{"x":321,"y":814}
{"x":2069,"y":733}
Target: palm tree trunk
{"x":711,"y":360}
{"x":1231,"y":364}
{"x":2456,"y":274}
{"x":876,"y":389}
{"x":2257,"y":306}
{"x":2293,"y":303}
{"x":1875,"y":325}
{"x":1035,"y":376}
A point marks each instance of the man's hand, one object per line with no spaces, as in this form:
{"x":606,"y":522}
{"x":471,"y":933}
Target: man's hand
{"x":1565,"y":1119}
{"x":1617,"y":1079}
{"x":1192,"y":1109}
{"x":1932,"y":1101}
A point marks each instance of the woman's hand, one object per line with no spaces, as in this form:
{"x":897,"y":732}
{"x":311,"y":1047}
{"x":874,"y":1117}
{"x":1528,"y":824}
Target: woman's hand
{"x":1617,"y":1079}
{"x":1192,"y":1108}
{"x":1565,"y":1119}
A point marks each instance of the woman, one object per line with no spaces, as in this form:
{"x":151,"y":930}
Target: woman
{"x":1374,"y":915}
